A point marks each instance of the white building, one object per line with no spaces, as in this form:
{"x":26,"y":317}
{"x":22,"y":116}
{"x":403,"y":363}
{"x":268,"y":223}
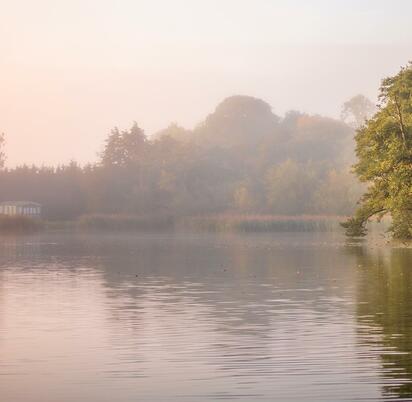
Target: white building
{"x":25,"y":208}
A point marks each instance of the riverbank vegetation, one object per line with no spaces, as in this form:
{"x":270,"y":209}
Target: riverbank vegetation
{"x":384,"y":152}
{"x":243,"y":159}
{"x":125,"y":223}
{"x":262,"y":223}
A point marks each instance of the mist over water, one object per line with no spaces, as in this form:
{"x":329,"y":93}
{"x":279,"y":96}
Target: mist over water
{"x":205,"y":200}
{"x":203,"y":318}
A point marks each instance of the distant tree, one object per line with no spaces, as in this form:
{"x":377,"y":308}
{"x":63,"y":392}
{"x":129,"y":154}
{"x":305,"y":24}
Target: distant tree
{"x":174,"y":131}
{"x":2,"y":153}
{"x":243,"y":197}
{"x":125,"y":147}
{"x":290,"y":188}
{"x":134,"y":143}
{"x":238,"y":121}
{"x":314,"y":138}
{"x":357,"y":110}
{"x":384,"y":151}
{"x":337,"y":193}
{"x":113,"y":150}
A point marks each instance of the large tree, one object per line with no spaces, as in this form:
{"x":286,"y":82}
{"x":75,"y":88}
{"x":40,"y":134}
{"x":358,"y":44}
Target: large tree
{"x":384,"y":151}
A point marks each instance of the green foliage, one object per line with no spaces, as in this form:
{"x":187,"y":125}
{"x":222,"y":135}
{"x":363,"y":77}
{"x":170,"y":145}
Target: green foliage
{"x":384,"y":151}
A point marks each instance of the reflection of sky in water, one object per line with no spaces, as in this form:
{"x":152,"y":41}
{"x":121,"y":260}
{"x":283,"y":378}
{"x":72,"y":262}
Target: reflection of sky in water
{"x":171,"y":318}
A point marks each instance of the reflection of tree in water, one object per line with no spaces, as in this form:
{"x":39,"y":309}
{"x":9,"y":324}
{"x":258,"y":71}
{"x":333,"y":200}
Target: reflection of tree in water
{"x":234,"y":309}
{"x":255,"y":300}
{"x":384,"y":310}
{"x":228,"y":274}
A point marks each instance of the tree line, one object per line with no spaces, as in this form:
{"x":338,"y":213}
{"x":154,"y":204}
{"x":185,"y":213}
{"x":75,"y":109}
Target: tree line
{"x":242,"y":158}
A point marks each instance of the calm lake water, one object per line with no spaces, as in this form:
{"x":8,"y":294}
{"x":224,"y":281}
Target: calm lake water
{"x":281,"y":317}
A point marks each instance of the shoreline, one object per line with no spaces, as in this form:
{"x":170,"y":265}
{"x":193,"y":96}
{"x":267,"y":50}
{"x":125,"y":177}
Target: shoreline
{"x":214,"y":223}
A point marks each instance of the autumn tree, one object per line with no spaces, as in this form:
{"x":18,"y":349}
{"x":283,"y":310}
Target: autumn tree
{"x":384,"y":152}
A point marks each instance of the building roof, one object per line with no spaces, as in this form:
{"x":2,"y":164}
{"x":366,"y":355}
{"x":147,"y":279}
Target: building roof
{"x":21,"y":203}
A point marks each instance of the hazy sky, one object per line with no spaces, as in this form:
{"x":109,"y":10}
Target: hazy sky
{"x":72,"y":69}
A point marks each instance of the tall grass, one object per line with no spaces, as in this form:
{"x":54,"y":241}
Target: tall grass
{"x":124,"y":223}
{"x":209,"y":223}
{"x":263,"y":223}
{"x":19,"y":224}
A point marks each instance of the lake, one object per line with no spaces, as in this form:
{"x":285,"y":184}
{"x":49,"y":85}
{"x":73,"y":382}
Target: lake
{"x":198,"y":317}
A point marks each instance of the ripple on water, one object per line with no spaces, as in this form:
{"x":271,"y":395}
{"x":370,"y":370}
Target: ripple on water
{"x":99,"y":318}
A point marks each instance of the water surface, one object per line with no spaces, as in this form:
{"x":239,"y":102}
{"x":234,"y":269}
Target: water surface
{"x":174,"y":317}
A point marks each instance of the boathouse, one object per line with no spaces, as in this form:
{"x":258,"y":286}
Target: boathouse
{"x":25,"y":208}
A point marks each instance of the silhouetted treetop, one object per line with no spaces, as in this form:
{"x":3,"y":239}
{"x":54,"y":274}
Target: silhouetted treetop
{"x":125,"y":147}
{"x":357,"y":110}
{"x":236,"y":121}
{"x":174,"y":131}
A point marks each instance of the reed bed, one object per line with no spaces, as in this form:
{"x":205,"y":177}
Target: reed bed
{"x":264,"y":223}
{"x":124,"y":223}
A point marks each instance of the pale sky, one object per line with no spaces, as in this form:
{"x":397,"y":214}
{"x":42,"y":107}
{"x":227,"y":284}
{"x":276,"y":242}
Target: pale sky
{"x":73,"y":69}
